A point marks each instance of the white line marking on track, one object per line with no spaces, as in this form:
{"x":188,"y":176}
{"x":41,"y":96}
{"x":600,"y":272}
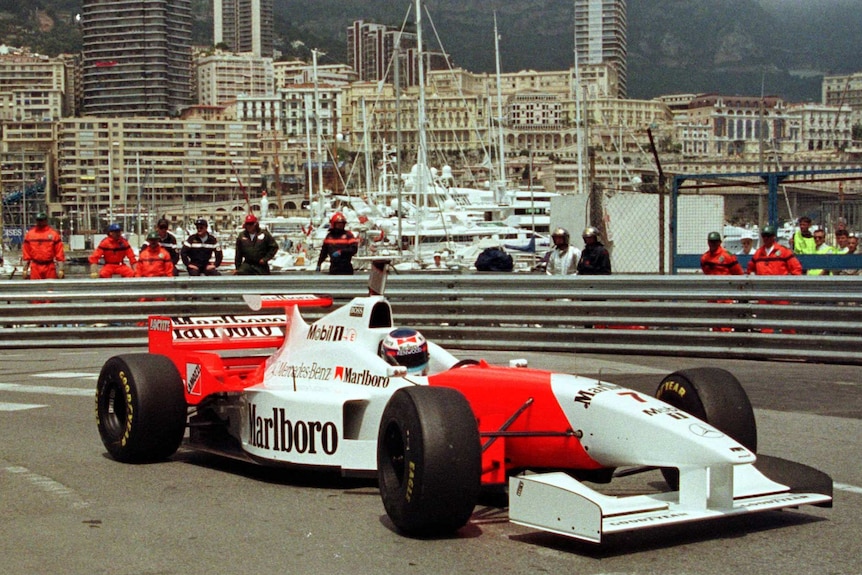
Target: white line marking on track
{"x":49,"y":486}
{"x":847,"y":488}
{"x":67,"y":375}
{"x":47,"y":389}
{"x":4,"y":406}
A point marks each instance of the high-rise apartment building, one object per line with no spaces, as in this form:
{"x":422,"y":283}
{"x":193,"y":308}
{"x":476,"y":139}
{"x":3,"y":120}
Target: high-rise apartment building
{"x":600,"y":35}
{"x":136,"y":57}
{"x":128,"y":169}
{"x":33,"y":87}
{"x":370,"y":49}
{"x":244,"y":25}
{"x":221,"y":77}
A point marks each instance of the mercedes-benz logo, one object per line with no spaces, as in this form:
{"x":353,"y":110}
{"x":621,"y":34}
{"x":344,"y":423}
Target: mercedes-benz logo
{"x":705,"y":432}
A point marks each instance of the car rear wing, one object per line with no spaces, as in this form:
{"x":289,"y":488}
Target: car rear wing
{"x":258,"y":302}
{"x":216,"y":332}
{"x":250,"y":331}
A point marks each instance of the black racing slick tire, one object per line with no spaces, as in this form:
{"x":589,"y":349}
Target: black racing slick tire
{"x":429,"y":460}
{"x":715,"y":396}
{"x":140,"y":407}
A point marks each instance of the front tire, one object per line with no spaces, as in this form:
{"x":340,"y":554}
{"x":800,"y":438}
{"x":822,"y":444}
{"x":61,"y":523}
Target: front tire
{"x":429,"y":460}
{"x":715,"y":396}
{"x":140,"y":407}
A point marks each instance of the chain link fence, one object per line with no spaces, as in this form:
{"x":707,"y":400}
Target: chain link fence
{"x":738,"y":205}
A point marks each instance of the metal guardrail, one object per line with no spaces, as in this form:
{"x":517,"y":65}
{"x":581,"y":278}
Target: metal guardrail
{"x":793,"y":318}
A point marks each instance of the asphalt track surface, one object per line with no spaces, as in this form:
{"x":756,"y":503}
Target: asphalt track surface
{"x":66,"y":507}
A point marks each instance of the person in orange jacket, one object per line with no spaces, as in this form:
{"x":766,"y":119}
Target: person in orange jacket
{"x":773,"y":259}
{"x":717,"y":260}
{"x":114,"y":249}
{"x":154,"y":260}
{"x":42,"y":252}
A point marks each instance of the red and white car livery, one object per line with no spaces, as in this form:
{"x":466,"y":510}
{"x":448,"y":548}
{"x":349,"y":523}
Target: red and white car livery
{"x":276,"y":390}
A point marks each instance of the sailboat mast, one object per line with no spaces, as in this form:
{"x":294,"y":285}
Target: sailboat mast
{"x":501,"y":155}
{"x":308,"y":166}
{"x":422,"y":155}
{"x":366,"y":144}
{"x":320,"y":156}
{"x":398,"y":181}
{"x":422,"y":152}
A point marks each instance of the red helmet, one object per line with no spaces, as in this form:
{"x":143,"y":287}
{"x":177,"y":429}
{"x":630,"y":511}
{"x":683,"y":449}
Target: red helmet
{"x":337,"y":217}
{"x":251,"y":219}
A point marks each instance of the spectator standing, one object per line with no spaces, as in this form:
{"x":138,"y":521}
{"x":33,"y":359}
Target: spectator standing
{"x":842,"y":241}
{"x":747,"y":245}
{"x":169,"y":241}
{"x":773,"y":259}
{"x":717,"y":260}
{"x":154,"y":260}
{"x":821,"y":248}
{"x":339,"y":246}
{"x":595,"y":259}
{"x":803,"y":239}
{"x":42,"y":252}
{"x":254,"y":248}
{"x":201,"y":252}
{"x":563,"y":259}
{"x":114,"y":250}
{"x":852,"y":247}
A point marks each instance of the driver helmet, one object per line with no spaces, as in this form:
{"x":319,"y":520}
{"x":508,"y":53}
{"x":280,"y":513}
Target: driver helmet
{"x":153,"y":235}
{"x":590,"y":232}
{"x":337,"y":217}
{"x":406,"y":347}
{"x":115,"y":228}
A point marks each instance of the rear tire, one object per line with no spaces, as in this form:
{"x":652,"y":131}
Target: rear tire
{"x":140,"y":407}
{"x":715,"y":396}
{"x":429,"y":460}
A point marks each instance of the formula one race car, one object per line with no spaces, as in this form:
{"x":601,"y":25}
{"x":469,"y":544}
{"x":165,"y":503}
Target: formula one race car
{"x":352,"y":392}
